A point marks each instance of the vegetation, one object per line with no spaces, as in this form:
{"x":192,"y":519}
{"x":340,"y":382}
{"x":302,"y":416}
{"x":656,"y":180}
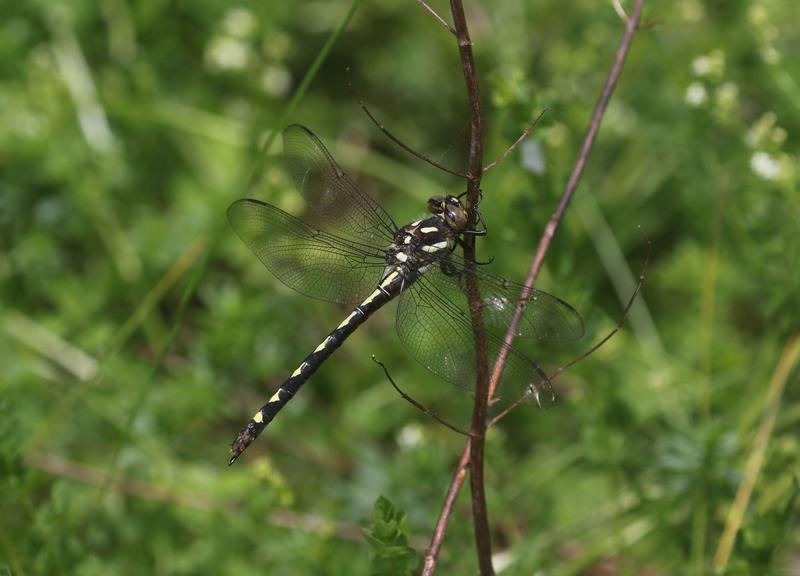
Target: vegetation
{"x":137,"y":334}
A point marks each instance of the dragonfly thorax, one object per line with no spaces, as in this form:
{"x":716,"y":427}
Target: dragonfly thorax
{"x":420,"y":243}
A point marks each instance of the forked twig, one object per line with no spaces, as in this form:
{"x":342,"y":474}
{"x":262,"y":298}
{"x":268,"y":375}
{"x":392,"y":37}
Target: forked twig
{"x":406,"y":147}
{"x":437,"y":539}
{"x":479,"y":413}
{"x":480,"y":514}
{"x":624,"y":16}
{"x":463,"y":464}
{"x":441,"y":20}
{"x":459,"y":476}
{"x":620,"y":323}
{"x":418,"y":405}
{"x":510,"y":149}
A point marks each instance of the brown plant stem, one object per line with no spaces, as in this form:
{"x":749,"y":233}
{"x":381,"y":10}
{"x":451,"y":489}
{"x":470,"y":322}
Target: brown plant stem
{"x":596,"y":346}
{"x":538,"y":259}
{"x":480,"y":515}
{"x":432,"y":552}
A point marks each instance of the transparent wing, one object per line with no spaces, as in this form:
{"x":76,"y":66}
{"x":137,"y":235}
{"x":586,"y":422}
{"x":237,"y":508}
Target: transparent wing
{"x":545,"y":317}
{"x":433,"y":323}
{"x":314,"y":263}
{"x":336,"y":203}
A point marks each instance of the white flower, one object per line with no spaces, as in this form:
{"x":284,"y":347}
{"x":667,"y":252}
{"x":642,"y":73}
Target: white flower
{"x":696,"y":94}
{"x":701,"y":65}
{"x":228,"y":54}
{"x":409,"y":436}
{"x":765,"y":166}
{"x":711,"y":64}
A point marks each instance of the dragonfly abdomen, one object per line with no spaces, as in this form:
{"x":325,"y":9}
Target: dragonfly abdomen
{"x":389,"y":287}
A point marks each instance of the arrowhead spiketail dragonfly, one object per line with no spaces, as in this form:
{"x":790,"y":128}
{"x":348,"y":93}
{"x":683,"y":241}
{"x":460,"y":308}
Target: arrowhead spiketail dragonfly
{"x":350,"y":251}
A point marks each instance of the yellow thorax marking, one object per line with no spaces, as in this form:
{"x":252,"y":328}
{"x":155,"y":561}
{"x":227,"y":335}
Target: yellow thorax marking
{"x":430,"y":248}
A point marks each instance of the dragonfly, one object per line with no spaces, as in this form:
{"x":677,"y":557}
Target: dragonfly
{"x":348,"y":250}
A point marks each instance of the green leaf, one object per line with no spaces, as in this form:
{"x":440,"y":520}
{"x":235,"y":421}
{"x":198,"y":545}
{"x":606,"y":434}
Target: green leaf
{"x":391,"y":554}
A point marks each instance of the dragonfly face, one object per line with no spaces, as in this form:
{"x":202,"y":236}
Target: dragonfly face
{"x":451,"y":209}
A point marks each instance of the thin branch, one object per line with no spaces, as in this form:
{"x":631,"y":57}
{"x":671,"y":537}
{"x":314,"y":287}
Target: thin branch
{"x":432,"y":552}
{"x":522,"y":137}
{"x":624,"y":16}
{"x":569,"y":189}
{"x":544,"y":244}
{"x":418,"y":405}
{"x":394,"y":138}
{"x":441,"y":20}
{"x":620,"y":323}
{"x":480,"y":515}
{"x":405,"y":146}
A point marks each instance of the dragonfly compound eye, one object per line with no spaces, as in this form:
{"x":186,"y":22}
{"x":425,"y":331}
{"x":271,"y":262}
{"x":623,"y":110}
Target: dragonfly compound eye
{"x":455,"y":214}
{"x":436,"y":204}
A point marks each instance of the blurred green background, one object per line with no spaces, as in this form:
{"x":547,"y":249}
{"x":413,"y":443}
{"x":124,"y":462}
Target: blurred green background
{"x":137,"y":333}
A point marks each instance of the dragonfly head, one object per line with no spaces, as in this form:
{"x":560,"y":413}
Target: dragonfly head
{"x":451,"y":210}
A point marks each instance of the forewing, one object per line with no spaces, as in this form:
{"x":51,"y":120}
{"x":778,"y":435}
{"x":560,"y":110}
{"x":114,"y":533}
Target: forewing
{"x":335,"y":202}
{"x":305,"y":258}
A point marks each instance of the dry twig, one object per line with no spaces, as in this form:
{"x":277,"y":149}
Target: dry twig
{"x":480,"y":516}
{"x":516,"y":143}
{"x":441,"y":20}
{"x":418,"y":405}
{"x":537,"y":262}
{"x":595,"y":347}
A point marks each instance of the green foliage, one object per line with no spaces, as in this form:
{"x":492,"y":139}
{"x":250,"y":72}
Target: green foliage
{"x":137,"y":334}
{"x":391,"y":555}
